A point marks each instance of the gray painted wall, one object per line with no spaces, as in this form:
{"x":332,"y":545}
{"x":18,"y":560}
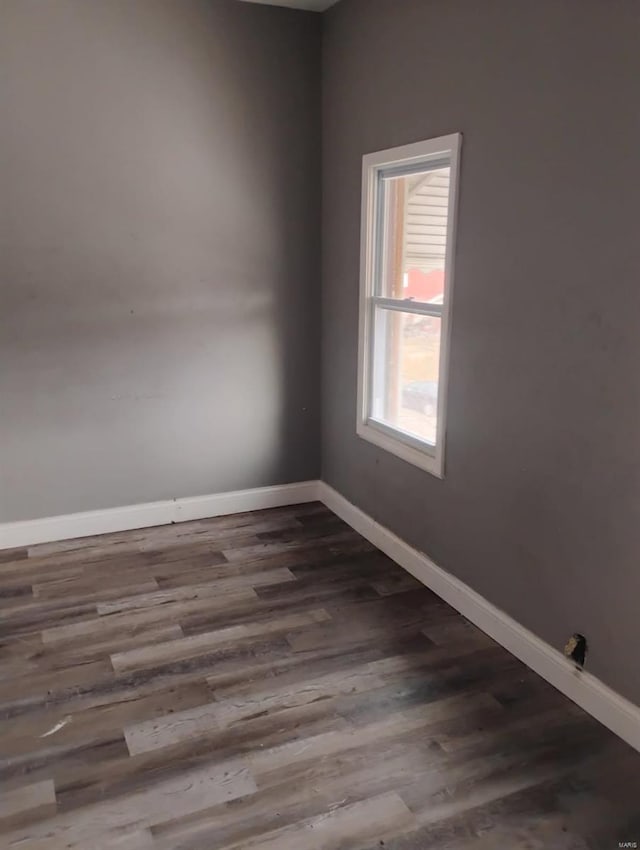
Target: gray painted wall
{"x":159,"y":239}
{"x":540,"y":507}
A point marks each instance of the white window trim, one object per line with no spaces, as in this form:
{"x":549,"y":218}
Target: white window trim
{"x":423,"y":455}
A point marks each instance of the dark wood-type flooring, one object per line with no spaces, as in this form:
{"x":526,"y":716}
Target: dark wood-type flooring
{"x":270,"y":681}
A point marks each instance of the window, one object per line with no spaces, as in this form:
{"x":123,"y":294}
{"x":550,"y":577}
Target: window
{"x":408,"y":234}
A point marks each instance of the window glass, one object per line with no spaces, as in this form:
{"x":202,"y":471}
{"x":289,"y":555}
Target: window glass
{"x":414,"y":211}
{"x":406,"y":372}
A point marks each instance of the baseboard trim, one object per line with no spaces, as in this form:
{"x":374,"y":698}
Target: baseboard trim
{"x":612,"y":710}
{"x":88,"y":523}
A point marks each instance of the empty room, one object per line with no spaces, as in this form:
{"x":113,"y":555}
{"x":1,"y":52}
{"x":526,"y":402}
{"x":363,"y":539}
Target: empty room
{"x":319,"y":436}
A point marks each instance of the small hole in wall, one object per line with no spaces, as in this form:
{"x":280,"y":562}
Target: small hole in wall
{"x":576,"y":649}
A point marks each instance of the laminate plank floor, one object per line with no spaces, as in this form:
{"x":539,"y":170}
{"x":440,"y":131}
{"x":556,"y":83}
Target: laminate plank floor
{"x":271,"y":681}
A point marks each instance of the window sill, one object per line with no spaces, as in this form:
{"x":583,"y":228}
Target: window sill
{"x":423,"y":459}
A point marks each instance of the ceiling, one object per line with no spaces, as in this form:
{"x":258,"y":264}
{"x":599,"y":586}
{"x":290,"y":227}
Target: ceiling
{"x":310,"y":5}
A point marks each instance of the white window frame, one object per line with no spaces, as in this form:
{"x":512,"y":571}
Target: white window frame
{"x":403,"y":445}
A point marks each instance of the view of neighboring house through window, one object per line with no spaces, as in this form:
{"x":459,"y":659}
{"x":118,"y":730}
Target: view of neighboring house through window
{"x":408,"y":225}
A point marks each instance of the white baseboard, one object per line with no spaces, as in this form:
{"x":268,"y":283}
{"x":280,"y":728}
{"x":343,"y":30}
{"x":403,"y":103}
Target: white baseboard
{"x":612,"y":710}
{"x":86,"y":524}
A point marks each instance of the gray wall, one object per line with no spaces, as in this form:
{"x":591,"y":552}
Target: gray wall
{"x":159,"y":239}
{"x":540,"y":507}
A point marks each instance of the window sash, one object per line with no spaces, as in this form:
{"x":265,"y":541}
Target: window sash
{"x":387,"y":172}
{"x":379,"y":189}
{"x":407,"y":305}
{"x":405,"y":437}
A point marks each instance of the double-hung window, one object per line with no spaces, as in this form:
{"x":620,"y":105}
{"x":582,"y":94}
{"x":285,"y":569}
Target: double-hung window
{"x":408,"y":235}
